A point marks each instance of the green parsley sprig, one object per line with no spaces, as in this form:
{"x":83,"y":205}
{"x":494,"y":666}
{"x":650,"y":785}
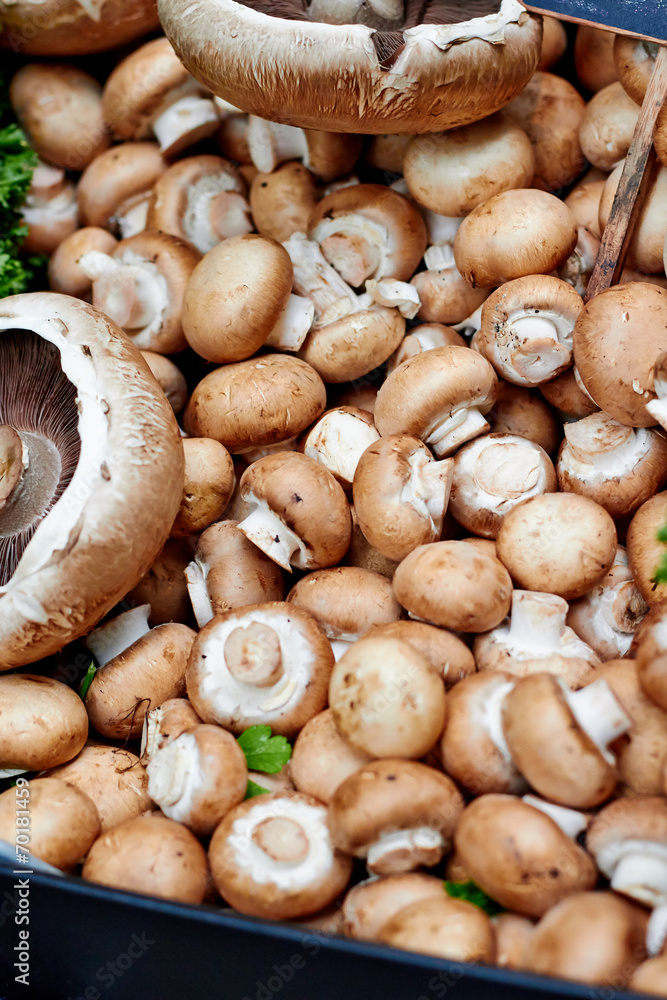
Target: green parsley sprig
{"x":471,"y":892}
{"x":661,"y":571}
{"x":263,"y":752}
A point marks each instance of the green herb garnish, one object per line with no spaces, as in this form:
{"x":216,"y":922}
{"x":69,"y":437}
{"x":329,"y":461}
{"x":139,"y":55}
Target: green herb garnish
{"x":87,"y":681}
{"x":661,"y":572}
{"x":253,"y":790}
{"x":473,"y":894}
{"x":264,"y":752}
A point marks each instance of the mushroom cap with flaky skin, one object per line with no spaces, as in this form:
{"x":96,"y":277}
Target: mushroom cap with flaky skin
{"x":169,"y":376}
{"x":120,"y":485}
{"x":263,"y":664}
{"x":283,"y":201}
{"x":617,"y":466}
{"x":60,"y":109}
{"x":255,"y":403}
{"x":42,"y":724}
{"x":645,"y":551}
{"x":113,"y":778}
{"x":369,"y":905}
{"x":338,"y":440}
{"x":593,"y":937}
{"x":322,"y":759}
{"x":451,"y":173}
{"x":64,"y":270}
{"x":617,"y":339}
{"x":558,"y":543}
{"x":645,"y":251}
{"x":446,"y":654}
{"x":397,"y":814}
{"x":165,"y":723}
{"x":208,"y":485}
{"x":114,"y":178}
{"x":526,"y":330}
{"x":455,"y":585}
{"x":409,"y":80}
{"x":152,"y":855}
{"x":594,"y":57}
{"x":272,"y":856}
{"x":492,"y":475}
{"x":607,"y":126}
{"x":566,"y":395}
{"x":549,"y":110}
{"x":446,"y":928}
{"x":628,"y":840}
{"x":72,"y":28}
{"x":438,"y":396}
{"x":514,"y":234}
{"x":346,"y":601}
{"x":519,"y":856}
{"x":349,"y":348}
{"x":652,"y":663}
{"x":64,"y":822}
{"x":386,"y":699}
{"x":524,"y":413}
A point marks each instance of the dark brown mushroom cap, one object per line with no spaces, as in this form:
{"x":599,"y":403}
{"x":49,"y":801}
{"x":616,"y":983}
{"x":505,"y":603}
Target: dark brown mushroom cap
{"x":519,"y":856}
{"x":445,"y":652}
{"x":66,"y":28}
{"x":617,"y":339}
{"x":138,"y":86}
{"x":346,"y":600}
{"x":645,"y":551}
{"x":409,"y":80}
{"x":256,"y":403}
{"x":114,"y":176}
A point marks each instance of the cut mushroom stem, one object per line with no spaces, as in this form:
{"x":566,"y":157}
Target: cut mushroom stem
{"x":253,"y":655}
{"x":493,"y":718}
{"x":319,"y":281}
{"x":119,"y":634}
{"x":292,"y":325}
{"x":422,"y":844}
{"x":571,"y":821}
{"x":599,"y":714}
{"x":132,"y":294}
{"x":429,"y":485}
{"x":641,"y":871}
{"x":266,"y":530}
{"x":283,"y":839}
{"x":658,"y":407}
{"x":187,"y":116}
{"x":538,"y":619}
{"x":398,"y":294}
{"x":460,"y":426}
{"x":656,"y":932}
{"x":339,"y":647}
{"x":271,"y":143}
{"x":195,"y":575}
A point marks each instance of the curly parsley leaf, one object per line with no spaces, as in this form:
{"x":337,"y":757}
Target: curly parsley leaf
{"x":473,"y":894}
{"x":17,"y":165}
{"x":264,"y":752}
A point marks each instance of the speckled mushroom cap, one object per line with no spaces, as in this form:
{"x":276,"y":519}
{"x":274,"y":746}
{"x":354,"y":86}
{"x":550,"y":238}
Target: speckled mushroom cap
{"x":74,"y":27}
{"x":644,"y":550}
{"x":628,"y":839}
{"x":346,"y":601}
{"x":617,"y":339}
{"x":260,"y":664}
{"x":446,"y":653}
{"x":109,"y":461}
{"x":400,"y":75}
{"x":519,"y":856}
{"x":273,"y":856}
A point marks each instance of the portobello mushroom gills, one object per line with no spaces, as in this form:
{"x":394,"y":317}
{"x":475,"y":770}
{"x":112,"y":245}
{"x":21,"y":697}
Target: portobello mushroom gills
{"x":388,"y":38}
{"x":39,"y":440}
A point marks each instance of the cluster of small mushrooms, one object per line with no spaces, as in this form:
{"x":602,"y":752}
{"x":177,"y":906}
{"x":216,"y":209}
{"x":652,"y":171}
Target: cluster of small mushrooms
{"x":314,"y":431}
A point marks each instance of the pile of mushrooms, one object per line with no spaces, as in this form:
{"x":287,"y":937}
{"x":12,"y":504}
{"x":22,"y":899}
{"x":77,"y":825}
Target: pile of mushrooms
{"x":314,"y":431}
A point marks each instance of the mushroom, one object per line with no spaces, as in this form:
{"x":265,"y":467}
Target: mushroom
{"x":607,"y":126}
{"x":559,"y":543}
{"x":645,"y":550}
{"x":446,"y":654}
{"x":617,"y":466}
{"x":566,"y":394}
{"x":593,"y":937}
{"x":634,"y":60}
{"x":513,"y":935}
{"x":371,"y":904}
{"x":150,"y":93}
{"x":608,"y":615}
{"x":322,"y":759}
{"x":228,"y":572}
{"x":422,"y":338}
{"x":492,"y":475}
{"x":64,"y":270}
{"x":446,"y":928}
{"x":338,"y":440}
{"x":69,"y":27}
{"x":164,"y":586}
{"x":63,"y":822}
{"x":628,"y":839}
{"x":209,"y":481}
{"x":202,"y":200}
{"x":520,"y":856}
{"x":141,"y":286}
{"x":60,"y":109}
{"x":326,"y":154}
{"x":282,"y":201}
{"x":49,"y":211}
{"x":451,"y":173}
{"x":386,"y":152}
{"x":524,"y":413}
{"x":439,"y":396}
{"x":169,"y":376}
{"x":651,"y":662}
{"x":263,"y":664}
{"x":288,"y":492}
{"x":396,"y":814}
{"x":594,"y":57}
{"x":444,"y":294}
{"x":115,"y":189}
{"x":152,"y":855}
{"x":401,"y":495}
{"x":645,"y":248}
{"x":454,"y":584}
{"x":527,"y":326}
{"x":584,"y":203}
{"x":255,"y":403}
{"x":346,"y":602}
{"x":506,"y":237}
{"x":386,"y":699}
{"x":554,"y":45}
{"x":578,"y":268}
{"x":650,"y":977}
{"x":198,"y":777}
{"x":536,"y":639}
{"x":138,"y":669}
{"x":402,"y":75}
{"x":559,"y":738}
{"x":273,"y":857}
{"x":165,"y":723}
{"x":44,"y":723}
{"x":362,"y":554}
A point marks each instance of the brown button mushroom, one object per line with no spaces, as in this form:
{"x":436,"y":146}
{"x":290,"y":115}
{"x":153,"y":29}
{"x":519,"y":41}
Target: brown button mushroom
{"x":447,"y":655}
{"x":554,"y":42}
{"x":454,"y":584}
{"x":634,"y":60}
{"x":360,"y":553}
{"x":63,"y":822}
{"x":584,"y":202}
{"x":322,"y":759}
{"x":524,"y":413}
{"x":536,"y":639}
{"x":628,"y":839}
{"x":446,"y":928}
{"x":607,"y":126}
{"x":49,"y":211}
{"x":645,"y":252}
{"x":370,"y":904}
{"x":263,"y":664}
{"x":513,"y":935}
{"x":651,"y":662}
{"x":289,"y":492}
{"x":209,"y":481}
{"x":401,"y":495}
{"x":444,"y":294}
{"x":70,"y":28}
{"x":282,"y":201}
{"x":422,"y":338}
{"x":64,"y":270}
{"x":594,"y":57}
{"x":60,"y":109}
{"x":326,"y":154}
{"x":114,"y":190}
{"x":152,"y":855}
{"x":44,"y":723}
{"x":170,"y":378}
{"x":386,"y":699}
{"x":386,"y":152}
{"x":166,"y":723}
{"x":514,"y":234}
{"x":558,"y":543}
{"x":567,"y":395}
{"x":558,"y":739}
{"x":650,"y":977}
{"x":520,"y":856}
{"x":164,"y":586}
{"x":644,"y":549}
{"x":338,"y":440}
{"x":255,"y":403}
{"x":397,"y":814}
{"x":593,"y":937}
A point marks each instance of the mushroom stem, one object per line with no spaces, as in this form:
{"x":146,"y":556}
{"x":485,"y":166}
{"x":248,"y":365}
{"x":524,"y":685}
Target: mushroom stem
{"x":571,"y":821}
{"x":492,"y":718}
{"x":429,"y":486}
{"x":253,"y":655}
{"x":321,"y":283}
{"x":119,"y":634}
{"x":537,"y":620}
{"x":195,"y":576}
{"x":293,"y":324}
{"x":132,"y":215}
{"x":11,"y":772}
{"x":395,"y":294}
{"x":270,"y":143}
{"x":599,"y":714}
{"x":471,"y":324}
{"x":283,"y":839}
{"x":641,"y":872}
{"x":340,"y":647}
{"x":439,"y":257}
{"x":13,"y":462}
{"x":186,"y":115}
{"x":132,"y":293}
{"x":656,"y":932}
{"x":354,"y":245}
{"x":403,"y":850}
{"x":454,"y":430}
{"x":174,"y":776}
{"x":271,"y":535}
{"x":610,"y":447}
{"x":538,"y":354}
